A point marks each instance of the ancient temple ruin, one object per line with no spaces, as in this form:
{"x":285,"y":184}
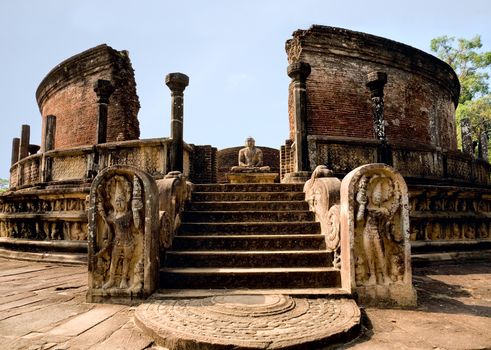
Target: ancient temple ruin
{"x":369,"y":178}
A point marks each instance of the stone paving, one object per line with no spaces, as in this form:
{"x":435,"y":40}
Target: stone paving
{"x":43,"y":307}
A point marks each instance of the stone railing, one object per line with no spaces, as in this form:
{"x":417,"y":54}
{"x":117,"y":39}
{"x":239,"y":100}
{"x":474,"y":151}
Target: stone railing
{"x":365,"y":221}
{"x":128,"y":206}
{"x":413,"y":162}
{"x":82,"y":163}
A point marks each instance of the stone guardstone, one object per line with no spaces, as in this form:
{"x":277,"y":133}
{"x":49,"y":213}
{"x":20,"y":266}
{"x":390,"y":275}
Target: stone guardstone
{"x":259,"y":321}
{"x":251,"y":177}
{"x":376,"y":252}
{"x":123,"y":237}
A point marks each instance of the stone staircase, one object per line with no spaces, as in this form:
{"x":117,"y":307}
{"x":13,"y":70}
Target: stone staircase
{"x":248,"y":236}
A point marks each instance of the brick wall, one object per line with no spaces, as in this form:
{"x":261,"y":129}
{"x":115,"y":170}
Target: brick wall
{"x":204,"y":164}
{"x":68,"y":93}
{"x":420,"y":94}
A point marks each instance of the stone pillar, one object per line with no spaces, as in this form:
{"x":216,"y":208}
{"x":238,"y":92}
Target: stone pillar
{"x":483,"y":145}
{"x":177,"y":82}
{"x":103,"y":90}
{"x":15,"y":150}
{"x":49,"y":133}
{"x":466,"y":130}
{"x":299,"y":72}
{"x":24,"y":142}
{"x":376,"y":82}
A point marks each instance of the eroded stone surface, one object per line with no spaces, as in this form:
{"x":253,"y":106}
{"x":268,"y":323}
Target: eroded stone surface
{"x":248,"y":321}
{"x":375,"y":250}
{"x":123,"y":234}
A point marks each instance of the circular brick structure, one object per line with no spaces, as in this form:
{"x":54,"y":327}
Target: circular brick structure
{"x":249,"y":321}
{"x":67,"y":92}
{"x":421,"y":93}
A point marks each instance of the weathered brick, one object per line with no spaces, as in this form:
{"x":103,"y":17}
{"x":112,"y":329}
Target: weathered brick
{"x":68,"y":93}
{"x":420,"y":94}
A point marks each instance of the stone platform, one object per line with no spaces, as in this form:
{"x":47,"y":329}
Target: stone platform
{"x":251,"y":321}
{"x":251,"y":178}
{"x":43,"y":307}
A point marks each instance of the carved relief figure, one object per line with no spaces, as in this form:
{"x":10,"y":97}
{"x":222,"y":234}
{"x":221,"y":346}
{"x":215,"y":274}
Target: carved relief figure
{"x":250,"y":158}
{"x":121,"y":224}
{"x":378,"y":200}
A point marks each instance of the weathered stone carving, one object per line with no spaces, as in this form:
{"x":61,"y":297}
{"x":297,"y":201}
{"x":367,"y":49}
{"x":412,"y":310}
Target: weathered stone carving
{"x":250,"y":158}
{"x":174,"y":191}
{"x":322,"y":194}
{"x":123,"y":229}
{"x":376,"y":260}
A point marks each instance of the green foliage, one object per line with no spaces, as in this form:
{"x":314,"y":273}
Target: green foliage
{"x":469,"y":64}
{"x":472,"y":67}
{"x":4,"y":185}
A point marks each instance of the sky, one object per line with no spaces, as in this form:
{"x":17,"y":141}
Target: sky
{"x":232,"y":51}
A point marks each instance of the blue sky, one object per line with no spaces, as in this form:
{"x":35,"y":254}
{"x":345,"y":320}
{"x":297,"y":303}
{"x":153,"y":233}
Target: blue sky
{"x":233,"y":52}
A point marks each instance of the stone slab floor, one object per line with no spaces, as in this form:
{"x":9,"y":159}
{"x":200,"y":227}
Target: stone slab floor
{"x":42,"y":306}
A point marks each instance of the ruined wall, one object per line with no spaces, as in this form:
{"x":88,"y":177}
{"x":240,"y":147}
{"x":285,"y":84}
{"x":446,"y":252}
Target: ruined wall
{"x":203,"y":164}
{"x":68,"y":93}
{"x":228,"y":157}
{"x":420,"y":95}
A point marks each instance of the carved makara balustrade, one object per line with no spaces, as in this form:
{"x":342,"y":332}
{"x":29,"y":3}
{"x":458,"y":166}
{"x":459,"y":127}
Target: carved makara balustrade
{"x":365,"y":220}
{"x":132,"y":218}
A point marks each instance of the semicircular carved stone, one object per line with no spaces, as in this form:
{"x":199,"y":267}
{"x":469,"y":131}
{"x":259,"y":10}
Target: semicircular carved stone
{"x":123,"y":235}
{"x":376,"y":253}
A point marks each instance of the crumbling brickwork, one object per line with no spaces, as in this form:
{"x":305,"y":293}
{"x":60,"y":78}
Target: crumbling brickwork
{"x":68,"y":93}
{"x":204,"y":164}
{"x":420,"y":95}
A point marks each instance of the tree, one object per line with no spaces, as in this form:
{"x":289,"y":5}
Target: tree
{"x":471,"y":66}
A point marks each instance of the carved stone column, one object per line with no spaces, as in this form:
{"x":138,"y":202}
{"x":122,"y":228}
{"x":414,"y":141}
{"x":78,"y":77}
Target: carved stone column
{"x":49,"y":133}
{"x":103,"y":90}
{"x":24,"y":141}
{"x":15,"y":150}
{"x":483,"y":141}
{"x":376,"y":82}
{"x":299,"y":72}
{"x":484,"y":145}
{"x":177,"y":82}
{"x":466,"y":129}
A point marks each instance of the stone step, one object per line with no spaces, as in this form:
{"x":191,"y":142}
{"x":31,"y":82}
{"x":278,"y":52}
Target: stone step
{"x":250,"y":242}
{"x":248,"y":187}
{"x":247,"y":205}
{"x":247,"y":216}
{"x":246,"y":196}
{"x":255,"y":228}
{"x":201,"y":278}
{"x":303,"y":258}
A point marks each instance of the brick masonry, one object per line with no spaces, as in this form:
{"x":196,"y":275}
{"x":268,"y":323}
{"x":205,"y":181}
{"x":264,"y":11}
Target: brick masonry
{"x":204,"y":164}
{"x":68,"y":93}
{"x":420,"y":94}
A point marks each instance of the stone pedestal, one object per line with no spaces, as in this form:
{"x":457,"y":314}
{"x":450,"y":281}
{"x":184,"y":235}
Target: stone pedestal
{"x":258,"y":178}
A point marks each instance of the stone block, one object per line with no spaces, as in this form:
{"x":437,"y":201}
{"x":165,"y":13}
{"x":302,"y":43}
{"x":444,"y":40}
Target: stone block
{"x":259,"y":178}
{"x":376,"y":254}
{"x":123,"y":235}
